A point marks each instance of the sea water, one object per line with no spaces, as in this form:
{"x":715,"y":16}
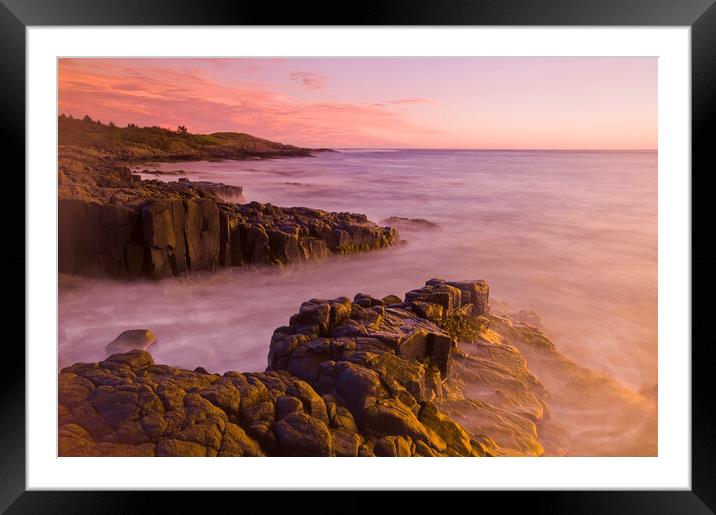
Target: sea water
{"x":570,"y":235}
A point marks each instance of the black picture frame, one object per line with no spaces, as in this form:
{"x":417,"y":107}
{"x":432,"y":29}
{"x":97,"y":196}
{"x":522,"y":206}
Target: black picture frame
{"x":17,"y":15}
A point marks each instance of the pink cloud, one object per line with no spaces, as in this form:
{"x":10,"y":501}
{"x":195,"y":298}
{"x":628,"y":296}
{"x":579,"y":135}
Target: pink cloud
{"x":410,"y":101}
{"x":309,"y":80}
{"x":598,"y":103}
{"x":154,"y":95}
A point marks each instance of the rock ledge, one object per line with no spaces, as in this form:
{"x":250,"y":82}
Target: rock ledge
{"x":344,"y":378}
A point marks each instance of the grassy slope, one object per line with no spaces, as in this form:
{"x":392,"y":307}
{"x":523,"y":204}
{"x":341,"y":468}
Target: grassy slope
{"x":155,"y":143}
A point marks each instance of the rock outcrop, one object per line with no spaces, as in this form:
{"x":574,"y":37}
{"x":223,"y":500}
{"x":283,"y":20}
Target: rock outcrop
{"x":132,"y":339}
{"x":410,"y":224}
{"x":364,"y":377}
{"x":145,"y":144}
{"x":113,"y":224}
{"x":168,"y":237}
{"x":345,"y":378}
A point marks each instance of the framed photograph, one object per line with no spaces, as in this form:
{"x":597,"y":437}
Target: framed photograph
{"x":281,"y":251}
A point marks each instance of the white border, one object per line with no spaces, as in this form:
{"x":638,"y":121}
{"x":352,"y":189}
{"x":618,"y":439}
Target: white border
{"x":671,"y":469}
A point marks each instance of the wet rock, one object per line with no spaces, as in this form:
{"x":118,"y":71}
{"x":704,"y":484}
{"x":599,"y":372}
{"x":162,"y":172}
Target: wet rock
{"x":312,"y":403}
{"x":135,"y":359}
{"x":527,"y":317}
{"x":345,"y":444}
{"x":475,"y":293}
{"x":300,"y":435}
{"x":447,"y":429}
{"x":428,"y":310}
{"x":74,"y":389}
{"x":345,"y":378}
{"x":164,"y":172}
{"x":201,"y":230}
{"x":285,"y":405}
{"x":410,"y":224}
{"x":99,"y":240}
{"x":175,"y":447}
{"x":390,"y":300}
{"x":75,"y":440}
{"x":366,"y":301}
{"x":393,"y":446}
{"x":163,"y":233}
{"x":132,"y":339}
{"x":169,"y":229}
{"x":285,"y":246}
{"x":236,"y":442}
{"x":227,"y":192}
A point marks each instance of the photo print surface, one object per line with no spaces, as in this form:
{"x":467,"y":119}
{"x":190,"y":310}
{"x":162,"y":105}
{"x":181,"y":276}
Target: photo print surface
{"x":357,"y":256}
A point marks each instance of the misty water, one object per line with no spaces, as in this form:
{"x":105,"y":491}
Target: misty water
{"x":570,"y":235}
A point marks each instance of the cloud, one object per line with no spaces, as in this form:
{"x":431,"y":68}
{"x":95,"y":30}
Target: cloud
{"x":309,"y":80}
{"x":411,"y":100}
{"x":164,"y":95}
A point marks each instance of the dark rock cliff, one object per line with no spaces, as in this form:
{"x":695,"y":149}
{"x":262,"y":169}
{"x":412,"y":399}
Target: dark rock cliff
{"x":168,"y":237}
{"x":113,"y":224}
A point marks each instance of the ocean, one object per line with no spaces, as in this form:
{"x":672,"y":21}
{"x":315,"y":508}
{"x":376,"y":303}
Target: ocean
{"x":570,"y":235}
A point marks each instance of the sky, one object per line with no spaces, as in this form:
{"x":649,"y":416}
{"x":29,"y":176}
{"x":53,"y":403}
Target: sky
{"x":392,"y":102}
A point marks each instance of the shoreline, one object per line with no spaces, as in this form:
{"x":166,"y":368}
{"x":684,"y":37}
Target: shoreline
{"x":129,"y":228}
{"x":113,"y":223}
{"x":292,"y":409}
{"x":432,"y":374}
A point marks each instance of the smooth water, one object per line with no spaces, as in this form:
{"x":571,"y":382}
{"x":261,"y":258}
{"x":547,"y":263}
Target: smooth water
{"x":570,"y":235}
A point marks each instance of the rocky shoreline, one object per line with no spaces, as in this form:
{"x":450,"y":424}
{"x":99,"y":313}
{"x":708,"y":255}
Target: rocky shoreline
{"x":344,"y":378}
{"x":432,"y":374}
{"x":114,"y":224}
{"x":435,"y":372}
{"x":168,"y":238}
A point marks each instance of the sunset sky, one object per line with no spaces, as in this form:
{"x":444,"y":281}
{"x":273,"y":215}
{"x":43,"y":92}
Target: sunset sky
{"x":520,"y":103}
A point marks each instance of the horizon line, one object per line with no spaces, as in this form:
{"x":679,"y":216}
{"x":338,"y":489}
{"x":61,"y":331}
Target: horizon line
{"x":316,"y":148}
{"x":482,"y":149}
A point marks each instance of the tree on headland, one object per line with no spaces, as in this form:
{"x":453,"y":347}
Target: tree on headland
{"x":111,"y":124}
{"x":87,"y":119}
{"x":182,"y":130}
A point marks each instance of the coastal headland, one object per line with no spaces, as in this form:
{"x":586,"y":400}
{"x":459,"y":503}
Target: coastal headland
{"x":114,"y":224}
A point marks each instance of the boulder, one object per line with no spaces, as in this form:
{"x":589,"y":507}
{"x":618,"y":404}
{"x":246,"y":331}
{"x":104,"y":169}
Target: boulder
{"x":410,"y":224}
{"x":474,"y":292}
{"x":300,"y":435}
{"x":132,"y":339}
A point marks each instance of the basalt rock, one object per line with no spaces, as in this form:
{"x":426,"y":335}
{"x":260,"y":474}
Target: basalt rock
{"x":99,"y":240}
{"x":162,"y":172}
{"x":226,"y":192}
{"x":170,"y":237}
{"x":114,"y":224}
{"x":364,"y":377}
{"x":410,"y":224}
{"x":163,"y":233}
{"x":132,"y":339}
{"x":345,"y":378}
